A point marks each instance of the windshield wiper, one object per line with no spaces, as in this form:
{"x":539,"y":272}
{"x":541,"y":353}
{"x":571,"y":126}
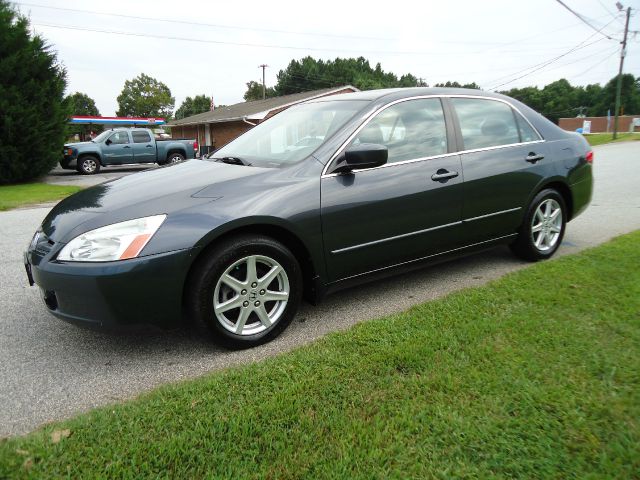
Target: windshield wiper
{"x":232,"y":160}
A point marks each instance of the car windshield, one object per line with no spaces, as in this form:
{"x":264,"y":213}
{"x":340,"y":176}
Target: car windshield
{"x":102,"y":136}
{"x":290,"y":136}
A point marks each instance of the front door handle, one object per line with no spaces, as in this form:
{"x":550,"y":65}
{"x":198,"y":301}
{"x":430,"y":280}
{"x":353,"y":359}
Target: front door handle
{"x":533,"y":157}
{"x":149,"y":146}
{"x":126,"y":146}
{"x":443,"y":175}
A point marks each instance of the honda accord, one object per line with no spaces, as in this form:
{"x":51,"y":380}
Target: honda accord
{"x":393,"y":180}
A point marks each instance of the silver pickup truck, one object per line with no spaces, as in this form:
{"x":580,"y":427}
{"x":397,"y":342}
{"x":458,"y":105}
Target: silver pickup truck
{"x":123,"y":146}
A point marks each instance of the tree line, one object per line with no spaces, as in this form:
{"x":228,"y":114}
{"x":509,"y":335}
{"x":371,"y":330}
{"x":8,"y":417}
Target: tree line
{"x":147,"y":97}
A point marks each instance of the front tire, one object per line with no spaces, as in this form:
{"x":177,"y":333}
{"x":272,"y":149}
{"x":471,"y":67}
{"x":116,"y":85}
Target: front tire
{"x":88,"y":165}
{"x":245,"y":292}
{"x":543,"y":227}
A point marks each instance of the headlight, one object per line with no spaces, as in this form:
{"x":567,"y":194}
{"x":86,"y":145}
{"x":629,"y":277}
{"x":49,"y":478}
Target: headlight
{"x":114,"y":242}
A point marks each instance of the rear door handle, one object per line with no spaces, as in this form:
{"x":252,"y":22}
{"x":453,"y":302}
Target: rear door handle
{"x":126,"y":146}
{"x":149,"y":146}
{"x":533,"y":157}
{"x":443,"y":174}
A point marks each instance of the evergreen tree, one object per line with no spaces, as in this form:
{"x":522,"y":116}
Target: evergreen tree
{"x":33,"y":116}
{"x":311,"y":74}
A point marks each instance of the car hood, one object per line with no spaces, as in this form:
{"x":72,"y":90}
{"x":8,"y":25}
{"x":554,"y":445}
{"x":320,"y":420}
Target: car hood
{"x":152,"y":192}
{"x":77,"y":144}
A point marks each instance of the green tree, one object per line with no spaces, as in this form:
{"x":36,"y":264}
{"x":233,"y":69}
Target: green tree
{"x":33,"y":115}
{"x":455,"y":84}
{"x":254,"y":91}
{"x":144,"y":96}
{"x":193,"y":106}
{"x":629,"y":96}
{"x":531,"y":96}
{"x":81,"y":104}
{"x":560,"y":99}
{"x":311,"y":74}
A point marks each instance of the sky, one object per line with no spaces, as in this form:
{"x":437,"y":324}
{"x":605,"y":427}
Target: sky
{"x":215,"y":48}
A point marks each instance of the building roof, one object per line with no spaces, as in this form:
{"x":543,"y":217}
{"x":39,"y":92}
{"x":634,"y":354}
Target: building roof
{"x":256,"y":109}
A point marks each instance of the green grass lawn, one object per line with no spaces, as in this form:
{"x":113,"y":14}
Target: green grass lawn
{"x":12,"y":196}
{"x":601,"y":138}
{"x":536,"y":375}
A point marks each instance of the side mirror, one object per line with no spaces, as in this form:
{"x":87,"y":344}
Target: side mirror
{"x":108,"y":142}
{"x":365,"y":155}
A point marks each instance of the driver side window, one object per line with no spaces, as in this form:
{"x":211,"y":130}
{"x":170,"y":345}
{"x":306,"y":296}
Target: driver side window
{"x":119,"y":138}
{"x":410,"y":130}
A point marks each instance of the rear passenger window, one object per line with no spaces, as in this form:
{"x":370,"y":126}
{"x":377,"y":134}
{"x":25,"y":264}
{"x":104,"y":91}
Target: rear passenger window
{"x":485,"y":123}
{"x":141,"y":137}
{"x":410,"y":130}
{"x":527,"y":133}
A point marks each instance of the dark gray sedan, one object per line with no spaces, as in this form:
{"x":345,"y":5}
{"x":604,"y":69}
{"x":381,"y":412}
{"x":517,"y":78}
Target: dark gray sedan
{"x":329,"y":193}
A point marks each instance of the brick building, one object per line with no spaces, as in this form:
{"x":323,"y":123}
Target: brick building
{"x":599,"y":124}
{"x":218,"y":127}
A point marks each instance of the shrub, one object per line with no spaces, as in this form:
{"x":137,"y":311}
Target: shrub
{"x":33,"y":116}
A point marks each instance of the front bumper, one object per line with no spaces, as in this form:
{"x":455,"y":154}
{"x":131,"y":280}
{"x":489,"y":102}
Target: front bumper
{"x":69,"y":163}
{"x":112,"y":295}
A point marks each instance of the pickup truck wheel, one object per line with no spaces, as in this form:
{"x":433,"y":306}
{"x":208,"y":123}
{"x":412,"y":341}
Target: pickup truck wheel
{"x":245,"y":292}
{"x":175,"y":158}
{"x":88,"y":165}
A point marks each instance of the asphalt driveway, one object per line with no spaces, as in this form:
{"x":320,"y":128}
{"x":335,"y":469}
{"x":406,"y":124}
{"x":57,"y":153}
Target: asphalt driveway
{"x":50,"y":370}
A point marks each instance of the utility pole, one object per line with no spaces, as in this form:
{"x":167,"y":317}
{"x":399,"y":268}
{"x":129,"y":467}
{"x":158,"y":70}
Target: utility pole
{"x":623,"y":52}
{"x":264,"y":86}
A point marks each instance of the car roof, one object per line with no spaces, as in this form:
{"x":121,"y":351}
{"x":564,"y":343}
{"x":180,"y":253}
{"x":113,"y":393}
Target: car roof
{"x":398,"y":93}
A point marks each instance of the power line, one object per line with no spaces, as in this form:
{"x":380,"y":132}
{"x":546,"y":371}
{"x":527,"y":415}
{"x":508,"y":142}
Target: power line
{"x":584,"y":20}
{"x":201,"y":24}
{"x":548,"y":62}
{"x":217,"y":42}
{"x":243,"y":44}
{"x":257,"y":29}
{"x":540,"y":34}
{"x":606,"y":57}
{"x":258,"y":45}
{"x":610,"y":12}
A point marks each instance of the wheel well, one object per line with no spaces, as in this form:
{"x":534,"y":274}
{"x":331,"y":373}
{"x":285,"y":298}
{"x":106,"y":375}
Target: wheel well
{"x":175,"y":150}
{"x":563,"y":190}
{"x":284,"y":236}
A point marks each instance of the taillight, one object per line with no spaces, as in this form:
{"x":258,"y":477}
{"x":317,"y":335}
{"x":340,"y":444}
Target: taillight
{"x":589,"y":156}
{"x":195,"y":146}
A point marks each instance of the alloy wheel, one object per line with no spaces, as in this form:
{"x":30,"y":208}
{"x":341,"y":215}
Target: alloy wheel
{"x":546,"y":225}
{"x":251,"y":295}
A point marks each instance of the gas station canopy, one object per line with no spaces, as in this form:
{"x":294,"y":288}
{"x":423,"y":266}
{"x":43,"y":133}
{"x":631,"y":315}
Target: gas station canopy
{"x":116,"y":121}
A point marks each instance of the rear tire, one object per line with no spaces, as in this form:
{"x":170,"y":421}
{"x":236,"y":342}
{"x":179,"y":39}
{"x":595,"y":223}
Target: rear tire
{"x":88,"y":165}
{"x":175,"y":158}
{"x":543,"y":227}
{"x":245,"y":292}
